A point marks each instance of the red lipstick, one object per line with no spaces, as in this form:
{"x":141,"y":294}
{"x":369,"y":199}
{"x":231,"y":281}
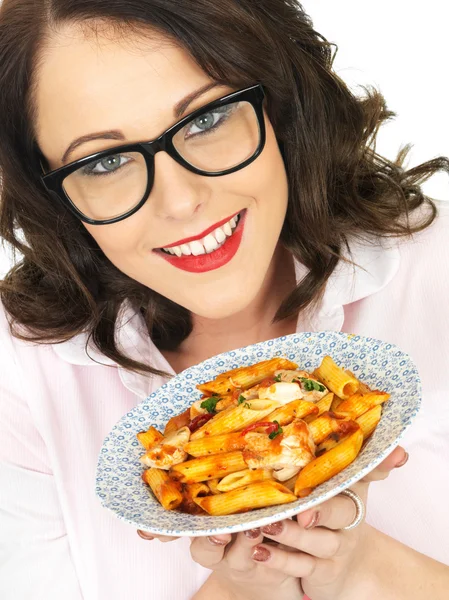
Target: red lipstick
{"x":208,"y":262}
{"x":202,"y":235}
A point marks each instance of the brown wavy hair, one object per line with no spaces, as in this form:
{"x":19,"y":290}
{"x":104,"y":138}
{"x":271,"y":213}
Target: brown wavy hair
{"x":338,"y":185}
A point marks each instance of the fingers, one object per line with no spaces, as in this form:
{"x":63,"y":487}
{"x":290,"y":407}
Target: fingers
{"x":152,"y":536}
{"x":396,"y":459}
{"x":319,"y":542}
{"x":209,"y":551}
{"x":293,"y":564}
{"x":336,"y":513}
{"x":239,"y":554}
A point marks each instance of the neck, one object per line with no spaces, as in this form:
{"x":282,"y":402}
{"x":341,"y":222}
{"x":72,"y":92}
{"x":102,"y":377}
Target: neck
{"x":252,"y":324}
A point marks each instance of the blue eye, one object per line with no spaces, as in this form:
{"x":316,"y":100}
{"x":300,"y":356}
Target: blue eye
{"x":210,"y":120}
{"x":106,"y":165}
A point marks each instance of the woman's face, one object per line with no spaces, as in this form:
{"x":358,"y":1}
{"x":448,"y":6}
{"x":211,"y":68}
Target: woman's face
{"x":89,"y":86}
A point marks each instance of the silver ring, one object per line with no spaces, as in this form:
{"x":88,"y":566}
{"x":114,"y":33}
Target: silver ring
{"x":359,"y":508}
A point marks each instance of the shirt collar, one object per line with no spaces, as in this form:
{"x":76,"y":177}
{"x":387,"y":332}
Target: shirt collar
{"x":376,"y":265}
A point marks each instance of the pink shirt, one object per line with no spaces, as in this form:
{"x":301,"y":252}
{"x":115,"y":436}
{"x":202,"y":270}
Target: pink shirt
{"x":57,"y":405}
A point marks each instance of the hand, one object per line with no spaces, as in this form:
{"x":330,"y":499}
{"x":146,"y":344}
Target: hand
{"x":234,"y":567}
{"x":231,"y":558}
{"x":325,"y":557}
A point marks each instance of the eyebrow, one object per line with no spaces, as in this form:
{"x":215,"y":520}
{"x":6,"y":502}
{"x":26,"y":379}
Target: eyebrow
{"x":114,"y":134}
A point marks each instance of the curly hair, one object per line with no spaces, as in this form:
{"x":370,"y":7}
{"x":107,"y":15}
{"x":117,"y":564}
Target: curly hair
{"x":63,"y":284}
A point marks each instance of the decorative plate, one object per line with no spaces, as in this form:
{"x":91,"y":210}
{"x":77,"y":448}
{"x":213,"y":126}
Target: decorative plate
{"x":380,"y":365}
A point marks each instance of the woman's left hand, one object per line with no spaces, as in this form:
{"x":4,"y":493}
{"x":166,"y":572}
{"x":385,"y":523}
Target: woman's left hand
{"x":319,"y":552}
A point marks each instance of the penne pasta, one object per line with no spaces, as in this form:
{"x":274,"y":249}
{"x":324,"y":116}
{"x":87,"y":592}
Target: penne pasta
{"x":212,"y":485}
{"x":260,"y":435}
{"x":177,"y":422}
{"x":369,"y":420}
{"x":245,"y":377}
{"x":323,"y":405}
{"x":363,"y":388}
{"x":368,"y":423}
{"x":215,"y":444}
{"x":254,"y":495}
{"x":235,"y":418}
{"x":327,"y":424}
{"x":167,"y":491}
{"x":336,"y":379}
{"x":241,"y":478}
{"x":189,"y":493}
{"x":358,"y":404}
{"x":335,"y":403}
{"x":329,"y":464}
{"x":208,"y":467}
{"x":149,"y":438}
{"x":298,"y":409}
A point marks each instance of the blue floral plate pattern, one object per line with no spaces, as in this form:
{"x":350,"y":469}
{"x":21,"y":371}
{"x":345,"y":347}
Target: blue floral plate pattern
{"x":380,"y":365}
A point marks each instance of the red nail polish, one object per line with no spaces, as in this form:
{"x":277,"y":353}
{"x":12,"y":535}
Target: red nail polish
{"x":273,"y":528}
{"x":216,"y":542}
{"x":260,"y":554}
{"x":252,"y":534}
{"x":313,"y":521}
{"x":144,"y":535}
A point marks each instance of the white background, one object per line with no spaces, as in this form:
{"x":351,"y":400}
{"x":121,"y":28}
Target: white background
{"x":401,"y":47}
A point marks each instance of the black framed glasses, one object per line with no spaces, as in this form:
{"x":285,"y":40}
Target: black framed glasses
{"x":219,"y":138}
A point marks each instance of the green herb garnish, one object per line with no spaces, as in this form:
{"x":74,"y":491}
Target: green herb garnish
{"x":210,"y":404}
{"x":311,"y":384}
{"x":277,"y":378}
{"x":279,"y":430}
{"x":241,"y":399}
{"x":247,"y":405}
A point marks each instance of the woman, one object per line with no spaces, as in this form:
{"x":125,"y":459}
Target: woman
{"x":141,"y":259}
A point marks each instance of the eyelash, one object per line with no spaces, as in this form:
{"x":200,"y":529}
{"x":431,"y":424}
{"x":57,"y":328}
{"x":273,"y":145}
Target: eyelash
{"x":226,"y":111}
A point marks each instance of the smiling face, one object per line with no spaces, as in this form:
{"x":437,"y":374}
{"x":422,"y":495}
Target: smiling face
{"x":88,"y":86}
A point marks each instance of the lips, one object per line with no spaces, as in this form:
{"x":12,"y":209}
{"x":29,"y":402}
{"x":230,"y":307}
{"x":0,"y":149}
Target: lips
{"x":215,"y":259}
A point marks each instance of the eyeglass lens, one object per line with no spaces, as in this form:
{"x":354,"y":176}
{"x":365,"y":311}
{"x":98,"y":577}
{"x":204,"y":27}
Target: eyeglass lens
{"x":215,"y":141}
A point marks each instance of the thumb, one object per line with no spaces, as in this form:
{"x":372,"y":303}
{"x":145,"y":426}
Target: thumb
{"x":397,"y":458}
{"x":209,"y":551}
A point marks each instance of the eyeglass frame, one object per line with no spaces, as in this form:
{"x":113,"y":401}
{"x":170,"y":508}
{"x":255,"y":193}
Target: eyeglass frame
{"x":53,"y":181}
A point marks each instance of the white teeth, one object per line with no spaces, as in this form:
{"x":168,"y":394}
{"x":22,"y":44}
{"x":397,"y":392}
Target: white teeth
{"x":227,"y":229}
{"x":186,"y":249}
{"x":210,"y":243}
{"x":197,"y":248}
{"x":220,"y":235}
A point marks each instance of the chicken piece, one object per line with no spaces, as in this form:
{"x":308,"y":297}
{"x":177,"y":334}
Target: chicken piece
{"x":294,"y":447}
{"x":288,"y":376}
{"x":304,"y":380}
{"x":281,"y":392}
{"x":285,"y":473}
{"x":169,"y":452}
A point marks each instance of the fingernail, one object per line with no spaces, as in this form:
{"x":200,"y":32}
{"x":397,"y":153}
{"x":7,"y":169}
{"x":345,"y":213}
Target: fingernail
{"x":403,"y":461}
{"x":252,"y":534}
{"x":273,"y":528}
{"x":313,"y":521}
{"x":144,"y":535}
{"x":260,"y":554}
{"x":216,"y":542}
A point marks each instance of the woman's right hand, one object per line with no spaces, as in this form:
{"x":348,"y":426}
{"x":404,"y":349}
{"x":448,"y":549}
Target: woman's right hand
{"x":236,"y":570}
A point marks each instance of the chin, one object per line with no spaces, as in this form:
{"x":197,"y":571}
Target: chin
{"x":223,"y":308}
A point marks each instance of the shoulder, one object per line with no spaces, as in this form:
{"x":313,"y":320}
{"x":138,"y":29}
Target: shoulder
{"x":427,"y":252}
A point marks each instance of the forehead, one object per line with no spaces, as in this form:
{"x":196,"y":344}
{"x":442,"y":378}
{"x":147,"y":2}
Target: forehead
{"x":86,"y":84}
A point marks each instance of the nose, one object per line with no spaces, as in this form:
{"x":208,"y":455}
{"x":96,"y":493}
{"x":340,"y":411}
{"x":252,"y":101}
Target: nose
{"x":177,"y":193}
